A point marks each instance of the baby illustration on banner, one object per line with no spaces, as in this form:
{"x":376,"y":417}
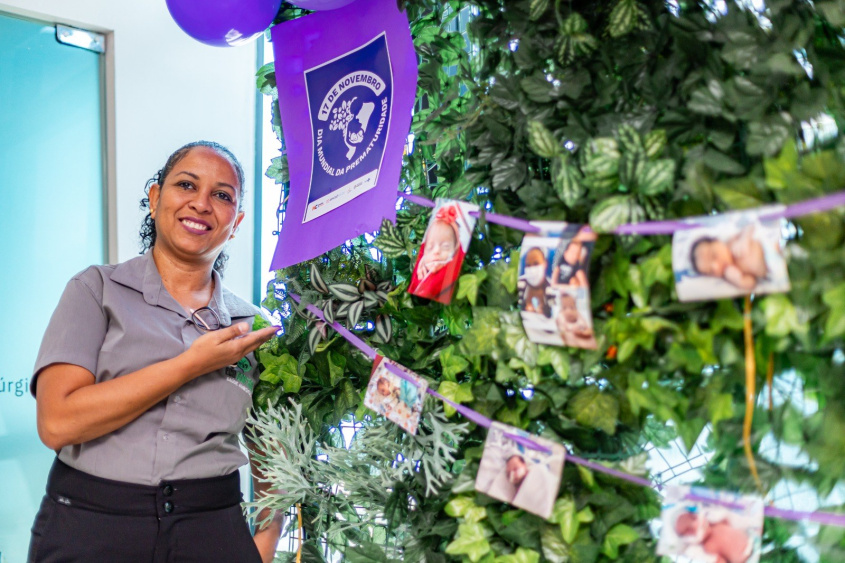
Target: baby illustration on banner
{"x":396,"y":399}
{"x":443,"y":250}
{"x":729,"y":255}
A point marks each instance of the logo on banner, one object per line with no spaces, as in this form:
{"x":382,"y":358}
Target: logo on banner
{"x":349,"y":99}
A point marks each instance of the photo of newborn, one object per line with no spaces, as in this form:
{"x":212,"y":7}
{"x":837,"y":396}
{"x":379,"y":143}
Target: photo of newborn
{"x":442,"y":251}
{"x":516,"y":474}
{"x":711,"y":532}
{"x":396,"y":399}
{"x":553,"y":285}
{"x":729,"y":255}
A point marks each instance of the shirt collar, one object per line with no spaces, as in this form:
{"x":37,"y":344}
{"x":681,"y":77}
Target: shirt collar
{"x":141,"y":274}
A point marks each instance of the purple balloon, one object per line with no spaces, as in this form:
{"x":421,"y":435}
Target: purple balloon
{"x":224,"y":23}
{"x":321,"y":4}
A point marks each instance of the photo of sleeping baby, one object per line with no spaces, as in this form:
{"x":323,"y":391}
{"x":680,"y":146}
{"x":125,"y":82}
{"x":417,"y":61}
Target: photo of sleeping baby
{"x":711,"y":532}
{"x":517,"y":474}
{"x":729,"y":255}
{"x":553,"y":285}
{"x":396,"y":399}
{"x":443,"y":249}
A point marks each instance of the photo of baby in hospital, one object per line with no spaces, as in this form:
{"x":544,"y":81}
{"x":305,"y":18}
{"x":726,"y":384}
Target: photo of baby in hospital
{"x":442,"y":251}
{"x":396,"y":399}
{"x":518,"y":474}
{"x":553,"y":285}
{"x":725,"y":531}
{"x":729,"y":255}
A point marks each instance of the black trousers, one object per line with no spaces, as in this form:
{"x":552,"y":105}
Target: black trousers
{"x":88,"y":519}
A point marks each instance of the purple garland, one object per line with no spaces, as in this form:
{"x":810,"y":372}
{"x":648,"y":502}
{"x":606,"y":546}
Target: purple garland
{"x":816,"y":205}
{"x":825,"y":518}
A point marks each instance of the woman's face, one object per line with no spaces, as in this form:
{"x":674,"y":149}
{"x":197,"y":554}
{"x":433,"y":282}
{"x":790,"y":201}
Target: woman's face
{"x":196,"y":207}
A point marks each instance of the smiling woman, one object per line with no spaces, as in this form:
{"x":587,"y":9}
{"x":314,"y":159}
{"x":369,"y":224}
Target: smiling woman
{"x":148,"y":229}
{"x":143,"y":397}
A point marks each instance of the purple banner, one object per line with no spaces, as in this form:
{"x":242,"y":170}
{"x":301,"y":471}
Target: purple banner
{"x":347,"y":81}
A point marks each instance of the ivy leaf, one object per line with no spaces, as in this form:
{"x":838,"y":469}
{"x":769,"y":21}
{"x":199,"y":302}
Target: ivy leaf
{"x":468,"y":285}
{"x":835,"y":325}
{"x":592,"y":408}
{"x":283,"y":369}
{"x":510,"y":276}
{"x":554,"y":548}
{"x":619,"y":535}
{"x":781,"y":316}
{"x":452,"y":363}
{"x":521,"y":555}
{"x":456,"y":393}
{"x":565,"y":515}
{"x":555,"y":357}
{"x":459,"y":506}
{"x":470,"y":541}
{"x":337,"y":367}
{"x":720,"y":407}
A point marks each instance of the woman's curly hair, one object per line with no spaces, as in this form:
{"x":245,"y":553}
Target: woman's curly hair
{"x":148,"y":227}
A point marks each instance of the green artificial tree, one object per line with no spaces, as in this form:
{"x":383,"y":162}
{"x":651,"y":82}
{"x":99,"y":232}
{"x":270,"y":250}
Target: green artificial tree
{"x":590,"y":112}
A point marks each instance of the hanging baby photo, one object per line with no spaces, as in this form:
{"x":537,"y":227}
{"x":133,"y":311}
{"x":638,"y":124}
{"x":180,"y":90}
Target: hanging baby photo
{"x":729,"y":255}
{"x":553,"y":285}
{"x":443,"y":250}
{"x":396,"y":399}
{"x":728,"y":529}
{"x":517,"y":474}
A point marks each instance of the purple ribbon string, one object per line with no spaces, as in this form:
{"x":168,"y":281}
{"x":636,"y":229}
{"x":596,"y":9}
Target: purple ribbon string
{"x":816,"y":205}
{"x":825,"y":518}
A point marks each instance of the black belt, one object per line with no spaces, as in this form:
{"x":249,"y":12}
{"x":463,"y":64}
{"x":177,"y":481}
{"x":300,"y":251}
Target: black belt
{"x":72,"y":487}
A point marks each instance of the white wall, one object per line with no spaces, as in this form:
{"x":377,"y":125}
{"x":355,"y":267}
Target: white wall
{"x":164,"y":89}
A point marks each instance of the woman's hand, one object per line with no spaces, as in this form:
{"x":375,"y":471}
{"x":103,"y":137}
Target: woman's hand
{"x":220,"y":348}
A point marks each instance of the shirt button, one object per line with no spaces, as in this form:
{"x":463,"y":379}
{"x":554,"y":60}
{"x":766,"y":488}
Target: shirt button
{"x":165,"y":437}
{"x":168,"y":507}
{"x":167,"y":490}
{"x":177,"y":399}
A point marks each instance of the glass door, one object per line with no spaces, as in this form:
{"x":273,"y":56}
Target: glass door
{"x":53,"y":226}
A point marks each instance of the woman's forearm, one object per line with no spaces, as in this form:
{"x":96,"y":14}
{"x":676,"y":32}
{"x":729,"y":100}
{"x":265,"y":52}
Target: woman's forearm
{"x":72,"y":409}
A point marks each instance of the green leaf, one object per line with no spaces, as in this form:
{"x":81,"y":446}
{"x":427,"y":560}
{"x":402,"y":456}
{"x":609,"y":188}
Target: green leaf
{"x":720,"y":407}
{"x":567,"y":181}
{"x":521,"y":555}
{"x":345,"y":292}
{"x":452,"y":363}
{"x":619,"y":535}
{"x":766,"y":137}
{"x":457,"y":393}
{"x":459,"y":506}
{"x":657,"y":177}
{"x":565,"y":515}
{"x":510,"y":277}
{"x":623,"y":18}
{"x":537,"y":8}
{"x":541,"y":140}
{"x":470,"y":541}
{"x":554,"y":548}
{"x":283,"y":369}
{"x":781,"y":316}
{"x":612,"y":212}
{"x":555,"y":357}
{"x":590,"y":407}
{"x":468,"y":285}
{"x":337,"y":367}
{"x":778,"y":170}
{"x":835,"y":325}
{"x":390,"y":240}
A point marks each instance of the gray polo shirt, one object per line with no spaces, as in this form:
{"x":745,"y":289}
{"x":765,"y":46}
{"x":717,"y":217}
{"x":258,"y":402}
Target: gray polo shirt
{"x":114,"y":320}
